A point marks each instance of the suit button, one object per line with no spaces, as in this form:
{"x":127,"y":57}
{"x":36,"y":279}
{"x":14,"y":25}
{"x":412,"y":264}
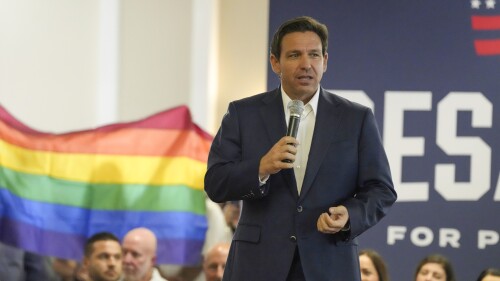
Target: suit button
{"x":293,"y":238}
{"x":299,"y":209}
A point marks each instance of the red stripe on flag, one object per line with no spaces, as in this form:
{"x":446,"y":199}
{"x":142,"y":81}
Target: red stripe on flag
{"x":487,"y":47}
{"x":485,"y":22}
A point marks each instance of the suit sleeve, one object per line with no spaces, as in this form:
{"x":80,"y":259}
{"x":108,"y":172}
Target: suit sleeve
{"x":228,"y":176}
{"x":375,"y":192}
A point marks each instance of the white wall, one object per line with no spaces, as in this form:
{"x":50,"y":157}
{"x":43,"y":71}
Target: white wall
{"x":155,"y":56}
{"x":48,"y":62}
{"x":243,"y":49}
{"x":57,"y":71}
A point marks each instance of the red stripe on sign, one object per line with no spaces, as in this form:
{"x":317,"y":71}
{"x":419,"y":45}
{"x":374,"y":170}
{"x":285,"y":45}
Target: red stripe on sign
{"x":485,"y":22}
{"x":487,"y":47}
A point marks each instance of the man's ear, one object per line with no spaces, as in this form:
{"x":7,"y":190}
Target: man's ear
{"x":275,"y":64}
{"x":325,"y":62}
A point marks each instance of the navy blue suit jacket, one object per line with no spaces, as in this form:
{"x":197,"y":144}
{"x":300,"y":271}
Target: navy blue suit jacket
{"x":347,"y":165}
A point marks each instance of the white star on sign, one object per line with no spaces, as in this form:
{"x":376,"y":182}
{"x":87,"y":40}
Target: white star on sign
{"x":490,"y":4}
{"x":475,"y":4}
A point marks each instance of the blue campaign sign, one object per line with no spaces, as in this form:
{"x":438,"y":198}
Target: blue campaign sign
{"x":431,"y":72}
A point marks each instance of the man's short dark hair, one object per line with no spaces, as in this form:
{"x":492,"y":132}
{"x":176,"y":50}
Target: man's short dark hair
{"x":100,"y":236}
{"x":299,"y":24}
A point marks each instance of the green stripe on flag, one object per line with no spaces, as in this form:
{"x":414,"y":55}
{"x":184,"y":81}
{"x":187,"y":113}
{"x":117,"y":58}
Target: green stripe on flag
{"x":134,"y":197}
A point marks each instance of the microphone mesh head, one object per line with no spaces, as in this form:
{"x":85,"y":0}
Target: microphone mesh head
{"x":296,"y":107}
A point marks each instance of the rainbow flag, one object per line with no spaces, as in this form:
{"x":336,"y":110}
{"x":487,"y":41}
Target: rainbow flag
{"x":56,"y":190}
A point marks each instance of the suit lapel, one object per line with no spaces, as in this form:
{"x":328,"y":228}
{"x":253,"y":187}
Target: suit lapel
{"x":325,"y":129}
{"x":273,"y":116}
{"x":274,"y":121}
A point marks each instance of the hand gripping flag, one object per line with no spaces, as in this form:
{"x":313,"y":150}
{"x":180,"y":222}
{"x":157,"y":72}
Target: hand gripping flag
{"x":56,"y":190}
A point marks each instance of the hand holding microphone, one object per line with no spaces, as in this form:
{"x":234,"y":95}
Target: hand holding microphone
{"x":282,"y":154}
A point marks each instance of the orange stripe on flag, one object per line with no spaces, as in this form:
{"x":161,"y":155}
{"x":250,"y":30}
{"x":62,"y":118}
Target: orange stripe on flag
{"x":130,"y":141}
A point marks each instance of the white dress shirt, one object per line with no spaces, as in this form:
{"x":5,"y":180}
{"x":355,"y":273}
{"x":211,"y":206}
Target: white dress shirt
{"x":304,"y":135}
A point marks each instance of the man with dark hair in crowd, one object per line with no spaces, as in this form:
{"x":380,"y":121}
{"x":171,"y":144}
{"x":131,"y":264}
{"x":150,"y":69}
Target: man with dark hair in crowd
{"x":103,"y":257}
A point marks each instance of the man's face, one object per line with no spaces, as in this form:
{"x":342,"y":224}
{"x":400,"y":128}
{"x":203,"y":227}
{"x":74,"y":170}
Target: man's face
{"x":137,"y":260}
{"x":301,"y":64}
{"x":105,"y":262}
{"x":214,"y":266}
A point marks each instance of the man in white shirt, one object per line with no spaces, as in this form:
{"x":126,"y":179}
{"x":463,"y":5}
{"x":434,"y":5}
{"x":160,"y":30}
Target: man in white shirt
{"x":139,"y":256}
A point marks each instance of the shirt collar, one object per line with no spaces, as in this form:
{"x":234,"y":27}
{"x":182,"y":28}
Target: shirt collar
{"x":313,"y":102}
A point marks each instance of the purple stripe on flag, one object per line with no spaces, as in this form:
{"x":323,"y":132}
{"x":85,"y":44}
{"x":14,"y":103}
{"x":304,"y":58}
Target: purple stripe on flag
{"x":44,"y":242}
{"x":70,"y":246}
{"x":179,"y":251}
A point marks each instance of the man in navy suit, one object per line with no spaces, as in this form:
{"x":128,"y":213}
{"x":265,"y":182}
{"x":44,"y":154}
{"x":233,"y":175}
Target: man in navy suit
{"x":300,"y":217}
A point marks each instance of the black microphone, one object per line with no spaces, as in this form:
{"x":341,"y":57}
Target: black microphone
{"x":296,"y":107}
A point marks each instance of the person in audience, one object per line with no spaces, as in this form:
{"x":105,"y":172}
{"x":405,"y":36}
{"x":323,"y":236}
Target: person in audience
{"x":489,"y":274}
{"x":103,"y":257}
{"x":231,"y":211}
{"x":80,"y":273}
{"x":19,"y":265}
{"x":372,"y":266}
{"x":214,"y":262}
{"x":218,"y":231}
{"x":434,"y":267}
{"x":64,"y":268}
{"x":139,"y":256}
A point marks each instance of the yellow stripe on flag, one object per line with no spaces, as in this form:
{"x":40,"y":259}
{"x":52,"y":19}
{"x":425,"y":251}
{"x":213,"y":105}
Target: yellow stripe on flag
{"x":100,"y":168}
